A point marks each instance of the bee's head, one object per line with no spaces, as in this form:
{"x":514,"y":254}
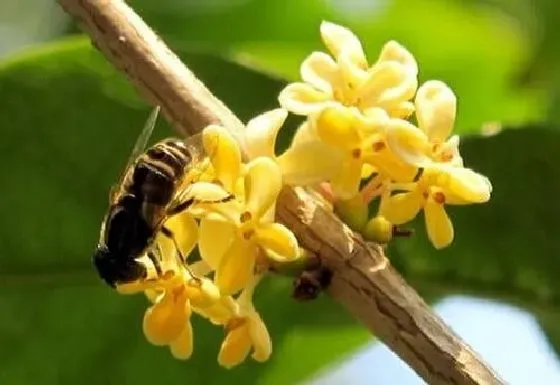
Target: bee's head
{"x":115,"y":268}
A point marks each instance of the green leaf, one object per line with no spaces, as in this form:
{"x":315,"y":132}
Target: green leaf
{"x":474,"y":49}
{"x":505,"y":248}
{"x":69,"y":124}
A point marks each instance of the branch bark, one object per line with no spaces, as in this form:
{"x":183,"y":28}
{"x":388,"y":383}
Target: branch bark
{"x":363,"y":281}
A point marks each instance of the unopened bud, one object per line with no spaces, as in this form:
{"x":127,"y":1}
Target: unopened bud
{"x":378,"y":229}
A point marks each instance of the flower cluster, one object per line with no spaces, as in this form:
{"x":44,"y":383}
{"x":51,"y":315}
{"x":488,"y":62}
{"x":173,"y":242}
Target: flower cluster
{"x":362,"y":115}
{"x":369,"y":131}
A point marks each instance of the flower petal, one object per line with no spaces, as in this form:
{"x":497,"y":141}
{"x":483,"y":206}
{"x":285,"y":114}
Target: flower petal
{"x":350,"y":75}
{"x":303,"y":99}
{"x":394,"y":51}
{"x":463,"y":184}
{"x":337,"y":126}
{"x":436,"y":109}
{"x":339,"y":39}
{"x":346,"y":182}
{"x":237,"y":267}
{"x":279,"y":239}
{"x":235,"y":348}
{"x":408,"y":142}
{"x":401,"y":110}
{"x":306,"y":132}
{"x":212,"y":198}
{"x":185,"y":231}
{"x":262,"y":185}
{"x":261,"y":132}
{"x":215,"y":237}
{"x":438,"y":224}
{"x":309,"y":163}
{"x":320,"y":71}
{"x":202,"y":292}
{"x":164,"y":321}
{"x":224,"y":154}
{"x":205,"y":193}
{"x":221,"y":312}
{"x":381,"y":78}
{"x":402,"y":207}
{"x":262,"y":343}
{"x":389,"y":165}
{"x":182,"y":347}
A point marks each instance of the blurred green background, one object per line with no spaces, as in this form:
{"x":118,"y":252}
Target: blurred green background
{"x":69,"y":121}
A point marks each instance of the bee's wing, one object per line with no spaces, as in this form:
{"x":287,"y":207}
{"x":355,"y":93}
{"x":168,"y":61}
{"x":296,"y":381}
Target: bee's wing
{"x":138,"y":149}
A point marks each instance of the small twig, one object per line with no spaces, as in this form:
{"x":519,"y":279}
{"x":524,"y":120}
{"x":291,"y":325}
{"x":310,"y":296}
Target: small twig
{"x":363,"y":280}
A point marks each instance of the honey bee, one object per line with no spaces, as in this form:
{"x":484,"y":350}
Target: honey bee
{"x":151,"y":189}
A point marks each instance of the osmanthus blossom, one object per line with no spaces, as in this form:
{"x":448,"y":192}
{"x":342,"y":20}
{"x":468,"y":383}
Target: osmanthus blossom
{"x":346,"y":79}
{"x":359,"y":139}
{"x":431,"y":141}
{"x":440,"y":184}
{"x":236,"y":237}
{"x":245,"y":331}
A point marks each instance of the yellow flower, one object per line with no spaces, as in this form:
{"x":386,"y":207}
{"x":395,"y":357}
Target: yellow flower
{"x":245,"y":331}
{"x":298,"y":164}
{"x":360,"y":141}
{"x":429,"y":142}
{"x":224,"y":155}
{"x":438,"y":185}
{"x":345,"y":78}
{"x":237,"y":235}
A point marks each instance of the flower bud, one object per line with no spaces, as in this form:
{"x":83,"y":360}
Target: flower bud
{"x":378,"y":229}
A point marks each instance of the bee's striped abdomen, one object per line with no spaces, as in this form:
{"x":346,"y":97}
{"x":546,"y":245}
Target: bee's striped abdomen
{"x":159,"y":171}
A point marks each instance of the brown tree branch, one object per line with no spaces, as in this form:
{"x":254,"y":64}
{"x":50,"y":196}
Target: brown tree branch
{"x":363,"y":280}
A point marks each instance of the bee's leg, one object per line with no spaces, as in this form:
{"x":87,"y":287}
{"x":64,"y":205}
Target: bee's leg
{"x":187,"y":203}
{"x":156,"y":262}
{"x":180,"y":207}
{"x":182,"y":259}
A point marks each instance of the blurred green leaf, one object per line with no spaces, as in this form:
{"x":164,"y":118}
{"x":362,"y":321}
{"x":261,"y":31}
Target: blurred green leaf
{"x":69,"y":123}
{"x":472,"y":47}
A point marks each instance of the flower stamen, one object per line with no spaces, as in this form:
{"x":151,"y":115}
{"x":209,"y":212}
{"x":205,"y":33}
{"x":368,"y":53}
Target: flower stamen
{"x":439,"y":197}
{"x":245,"y":217}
